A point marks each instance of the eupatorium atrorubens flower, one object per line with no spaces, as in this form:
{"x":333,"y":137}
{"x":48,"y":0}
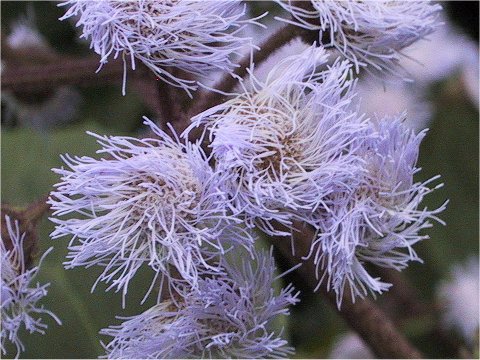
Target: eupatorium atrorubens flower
{"x":366,"y":32}
{"x":19,"y":296}
{"x":191,"y":35}
{"x":228,"y":317}
{"x":152,"y":201}
{"x":379,"y":219}
{"x":295,"y":149}
{"x":288,"y":143}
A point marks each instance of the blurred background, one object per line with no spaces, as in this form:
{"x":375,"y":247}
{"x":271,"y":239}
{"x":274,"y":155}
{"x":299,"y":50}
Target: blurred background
{"x":38,"y":126}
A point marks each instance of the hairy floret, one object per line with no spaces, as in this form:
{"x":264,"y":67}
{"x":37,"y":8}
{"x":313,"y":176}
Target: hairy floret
{"x":367,"y":32}
{"x":190,"y":35}
{"x":289,"y":142}
{"x":381,"y":219}
{"x":228,"y":317}
{"x":19,"y":297}
{"x":151,"y":201}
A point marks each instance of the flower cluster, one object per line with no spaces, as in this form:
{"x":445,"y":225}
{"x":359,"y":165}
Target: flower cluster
{"x":366,"y":32}
{"x":190,"y":35}
{"x":19,"y":299}
{"x":229,"y":316}
{"x":153,"y":201}
{"x":294,"y":148}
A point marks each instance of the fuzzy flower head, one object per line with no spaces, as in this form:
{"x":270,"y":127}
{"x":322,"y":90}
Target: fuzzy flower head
{"x":19,"y":298}
{"x":152,"y":201}
{"x":228,"y":317}
{"x":286,"y":144}
{"x":460,"y":299}
{"x":380,"y":219}
{"x":366,"y":32}
{"x":191,"y":35}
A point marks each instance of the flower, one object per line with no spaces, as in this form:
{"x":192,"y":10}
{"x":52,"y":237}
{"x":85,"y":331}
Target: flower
{"x":288,"y":143}
{"x":193,"y":36}
{"x":459,"y":297}
{"x":379,"y":220}
{"x":228,"y":317}
{"x":350,"y":346}
{"x":377,"y":99}
{"x":18,"y":298}
{"x":366,"y":32}
{"x":153,"y":201}
{"x":25,"y":35}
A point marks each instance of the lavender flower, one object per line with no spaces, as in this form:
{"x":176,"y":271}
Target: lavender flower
{"x":153,"y":201}
{"x":228,"y":317}
{"x":367,"y":32}
{"x":190,"y":35}
{"x":18,"y":297}
{"x":381,"y":219}
{"x":288,"y":143}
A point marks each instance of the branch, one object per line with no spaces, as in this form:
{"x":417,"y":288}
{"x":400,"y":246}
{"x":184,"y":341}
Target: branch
{"x":369,"y":321}
{"x":228,"y":82}
{"x":63,"y":71}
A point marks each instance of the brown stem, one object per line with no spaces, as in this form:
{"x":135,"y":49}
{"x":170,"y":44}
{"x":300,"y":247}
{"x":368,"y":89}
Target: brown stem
{"x":36,"y":210}
{"x":368,"y":320}
{"x":65,"y":71}
{"x":27,"y":221}
{"x":405,"y":298}
{"x":408,"y":305}
{"x":228,"y":82}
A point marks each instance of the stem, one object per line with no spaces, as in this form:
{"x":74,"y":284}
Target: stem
{"x":63,"y":71}
{"x":229,"y":81}
{"x":36,"y":210}
{"x":368,"y":320}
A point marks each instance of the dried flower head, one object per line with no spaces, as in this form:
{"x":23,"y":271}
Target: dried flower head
{"x":153,"y":201}
{"x":228,"y":317}
{"x":379,"y":220}
{"x":19,"y":297}
{"x":191,"y":35}
{"x":288,"y":143}
{"x":366,"y":32}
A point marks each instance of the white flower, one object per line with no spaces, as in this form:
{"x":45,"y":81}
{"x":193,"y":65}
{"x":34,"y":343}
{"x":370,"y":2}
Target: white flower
{"x":19,"y":297}
{"x":153,"y":201}
{"x":228,"y":317}
{"x":191,"y":35}
{"x":288,"y":143}
{"x":366,"y":32}
{"x":459,"y":296}
{"x":377,"y":221}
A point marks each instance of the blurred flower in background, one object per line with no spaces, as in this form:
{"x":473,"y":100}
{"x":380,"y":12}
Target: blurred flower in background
{"x":350,"y":346}
{"x":459,"y":300}
{"x":441,"y":55}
